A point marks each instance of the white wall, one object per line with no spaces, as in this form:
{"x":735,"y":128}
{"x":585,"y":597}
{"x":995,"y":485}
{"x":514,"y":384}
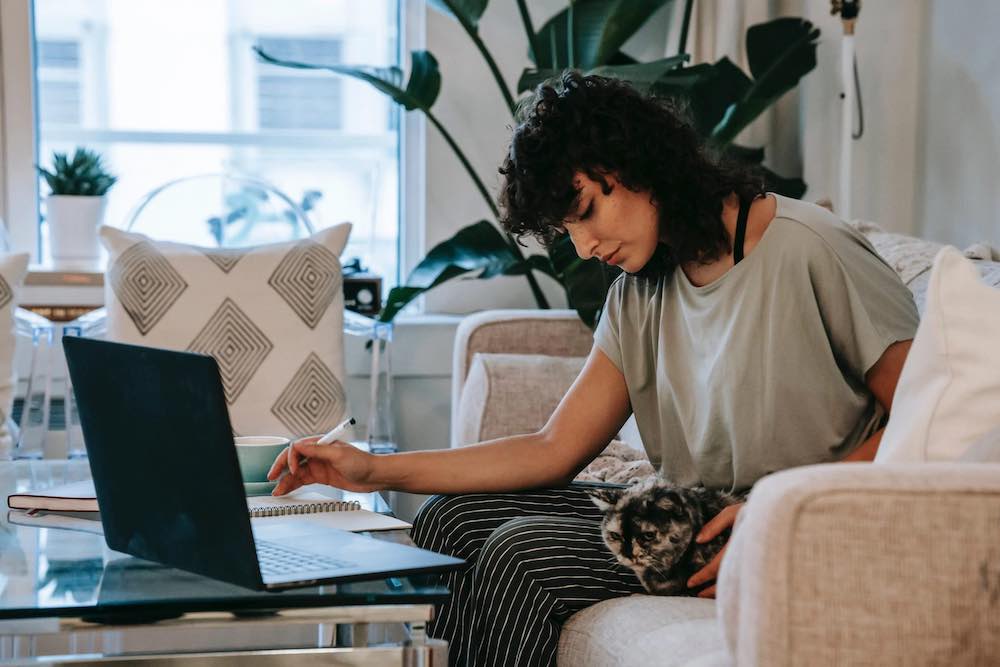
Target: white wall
{"x":958,"y":198}
{"x":888,"y":46}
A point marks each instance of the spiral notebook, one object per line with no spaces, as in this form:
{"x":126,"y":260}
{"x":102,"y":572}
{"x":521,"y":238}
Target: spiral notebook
{"x":298,"y":503}
{"x":342,"y":514}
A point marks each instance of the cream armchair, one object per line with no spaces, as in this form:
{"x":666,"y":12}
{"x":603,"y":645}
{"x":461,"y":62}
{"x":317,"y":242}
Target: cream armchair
{"x":857,"y":564}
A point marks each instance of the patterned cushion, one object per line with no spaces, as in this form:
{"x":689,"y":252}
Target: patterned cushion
{"x":12,"y":271}
{"x":912,"y":257}
{"x":272,"y":316}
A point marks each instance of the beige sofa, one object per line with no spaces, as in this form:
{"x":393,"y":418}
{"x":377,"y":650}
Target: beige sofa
{"x":857,"y":564}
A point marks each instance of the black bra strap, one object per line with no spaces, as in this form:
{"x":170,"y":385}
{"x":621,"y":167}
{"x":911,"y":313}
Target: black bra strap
{"x":741,"y":231}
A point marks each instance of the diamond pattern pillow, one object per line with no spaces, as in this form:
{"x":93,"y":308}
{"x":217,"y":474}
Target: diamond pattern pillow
{"x":272,"y":316}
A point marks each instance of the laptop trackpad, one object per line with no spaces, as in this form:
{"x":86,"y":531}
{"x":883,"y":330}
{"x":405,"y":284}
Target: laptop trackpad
{"x":313,"y":537}
{"x":279,"y":529}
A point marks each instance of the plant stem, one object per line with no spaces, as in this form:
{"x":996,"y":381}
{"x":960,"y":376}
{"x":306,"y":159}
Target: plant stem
{"x":688,"y":6}
{"x":508,"y":98}
{"x":569,"y":36}
{"x":536,"y":290}
{"x":552,"y":49}
{"x":474,"y":36}
{"x":529,"y":29}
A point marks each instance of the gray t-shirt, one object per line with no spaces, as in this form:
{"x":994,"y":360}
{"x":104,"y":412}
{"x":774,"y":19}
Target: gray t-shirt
{"x":762,"y":369}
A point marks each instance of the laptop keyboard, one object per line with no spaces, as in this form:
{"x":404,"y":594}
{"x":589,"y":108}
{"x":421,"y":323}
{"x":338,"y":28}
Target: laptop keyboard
{"x":277,"y":559}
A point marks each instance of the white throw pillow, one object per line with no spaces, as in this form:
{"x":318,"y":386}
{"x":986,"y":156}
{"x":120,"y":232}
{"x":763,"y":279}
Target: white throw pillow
{"x":949,"y":390}
{"x":13,"y":268}
{"x":272,"y":316}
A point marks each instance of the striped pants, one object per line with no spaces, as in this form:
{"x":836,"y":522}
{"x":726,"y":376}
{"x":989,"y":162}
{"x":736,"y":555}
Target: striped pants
{"x":535,"y":558}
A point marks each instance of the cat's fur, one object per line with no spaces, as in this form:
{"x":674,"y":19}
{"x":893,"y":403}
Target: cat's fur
{"x":650,"y":528}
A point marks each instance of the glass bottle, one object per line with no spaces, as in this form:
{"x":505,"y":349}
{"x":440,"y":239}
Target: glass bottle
{"x":381,"y":431}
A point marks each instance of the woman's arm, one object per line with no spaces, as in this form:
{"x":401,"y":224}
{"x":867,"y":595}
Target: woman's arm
{"x":589,"y":415}
{"x":882,"y":379}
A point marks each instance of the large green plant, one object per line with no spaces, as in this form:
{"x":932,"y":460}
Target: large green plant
{"x":587,"y":35}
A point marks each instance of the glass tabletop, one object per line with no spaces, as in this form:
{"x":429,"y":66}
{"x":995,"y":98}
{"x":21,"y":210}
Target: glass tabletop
{"x":49,"y":572}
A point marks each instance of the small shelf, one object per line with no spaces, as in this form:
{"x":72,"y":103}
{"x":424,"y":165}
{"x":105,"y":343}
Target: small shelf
{"x":42,"y":275}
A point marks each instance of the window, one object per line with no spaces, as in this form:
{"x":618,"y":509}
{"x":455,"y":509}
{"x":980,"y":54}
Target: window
{"x":58,"y":76}
{"x":291,"y":98}
{"x":167,"y":90}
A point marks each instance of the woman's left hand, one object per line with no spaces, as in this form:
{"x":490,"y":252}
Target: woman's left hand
{"x":724,"y":519}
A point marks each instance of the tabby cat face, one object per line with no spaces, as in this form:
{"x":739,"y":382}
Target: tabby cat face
{"x":646,"y":526}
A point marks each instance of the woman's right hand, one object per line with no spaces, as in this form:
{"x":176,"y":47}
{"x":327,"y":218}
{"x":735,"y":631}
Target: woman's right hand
{"x":339,"y":464}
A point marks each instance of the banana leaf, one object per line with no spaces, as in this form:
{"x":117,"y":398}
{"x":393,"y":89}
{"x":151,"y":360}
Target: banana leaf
{"x":790,"y":187}
{"x":745,"y":154}
{"x":533,"y":263}
{"x":707,"y":89}
{"x":780,"y":53}
{"x":478,"y":247}
{"x":599,"y":29}
{"x":420,"y":92}
{"x":465,"y":11}
{"x":641,"y":75}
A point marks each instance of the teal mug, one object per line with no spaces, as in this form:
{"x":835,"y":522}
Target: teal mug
{"x":256,"y":453}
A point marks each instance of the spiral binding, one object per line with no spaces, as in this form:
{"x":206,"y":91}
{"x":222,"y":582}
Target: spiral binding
{"x":306,"y":508}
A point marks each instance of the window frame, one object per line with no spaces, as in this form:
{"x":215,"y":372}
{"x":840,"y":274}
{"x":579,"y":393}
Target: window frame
{"x":19,"y":192}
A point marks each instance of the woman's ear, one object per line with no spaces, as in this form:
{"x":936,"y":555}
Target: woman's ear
{"x":605,"y":499}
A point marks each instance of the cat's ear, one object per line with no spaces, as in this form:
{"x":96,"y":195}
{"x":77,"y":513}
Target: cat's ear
{"x":667,"y":498}
{"x":605,"y":499}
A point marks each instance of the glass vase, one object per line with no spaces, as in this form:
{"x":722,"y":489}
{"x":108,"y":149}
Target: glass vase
{"x":381,"y":429}
{"x":34,"y":422}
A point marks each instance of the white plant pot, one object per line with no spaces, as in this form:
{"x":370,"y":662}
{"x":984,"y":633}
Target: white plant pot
{"x":73,"y":222}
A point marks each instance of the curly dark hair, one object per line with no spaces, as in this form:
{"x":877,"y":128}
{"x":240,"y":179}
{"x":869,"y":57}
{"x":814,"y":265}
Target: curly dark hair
{"x":600,"y":126}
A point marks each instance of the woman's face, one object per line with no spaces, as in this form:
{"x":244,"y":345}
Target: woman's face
{"x":619,"y":228}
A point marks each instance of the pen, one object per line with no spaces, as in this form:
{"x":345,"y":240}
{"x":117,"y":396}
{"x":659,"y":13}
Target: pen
{"x":328,"y":438}
{"x":337,"y":432}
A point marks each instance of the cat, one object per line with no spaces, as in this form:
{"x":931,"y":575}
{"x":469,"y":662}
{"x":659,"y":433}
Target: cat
{"x":650,"y":528}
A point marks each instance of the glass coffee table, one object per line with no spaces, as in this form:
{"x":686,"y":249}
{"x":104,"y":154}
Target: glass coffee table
{"x":66,"y":598}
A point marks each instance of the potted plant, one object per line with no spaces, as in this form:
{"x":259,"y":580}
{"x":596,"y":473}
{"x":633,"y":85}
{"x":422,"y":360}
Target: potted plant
{"x":588,"y":35}
{"x":75,"y":206}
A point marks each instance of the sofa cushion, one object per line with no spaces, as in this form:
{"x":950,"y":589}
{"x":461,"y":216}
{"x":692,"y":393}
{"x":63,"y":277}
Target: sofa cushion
{"x":644,"y":630}
{"x":949,"y":389}
{"x":511,"y":394}
{"x":271,"y":315}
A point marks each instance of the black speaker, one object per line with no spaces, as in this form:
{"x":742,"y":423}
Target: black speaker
{"x":363,"y":293}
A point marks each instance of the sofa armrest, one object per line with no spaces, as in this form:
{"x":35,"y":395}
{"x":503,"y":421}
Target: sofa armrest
{"x":866,"y":564}
{"x":544,"y":332}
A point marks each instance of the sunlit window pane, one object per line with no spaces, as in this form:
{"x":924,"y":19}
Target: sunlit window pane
{"x":169,"y":90}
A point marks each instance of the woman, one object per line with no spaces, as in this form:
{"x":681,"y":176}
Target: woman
{"x":748,"y":332}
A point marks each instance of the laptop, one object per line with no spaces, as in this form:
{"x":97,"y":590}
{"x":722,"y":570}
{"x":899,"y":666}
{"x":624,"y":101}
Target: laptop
{"x":160,"y":445}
